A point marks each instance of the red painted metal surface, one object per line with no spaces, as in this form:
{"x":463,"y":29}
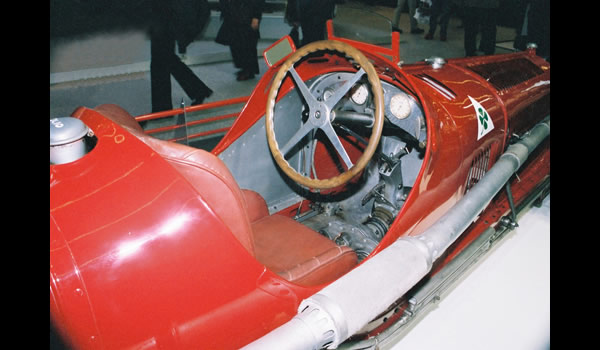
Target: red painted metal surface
{"x":158,"y":269}
{"x":155,"y":268}
{"x":452,"y":143}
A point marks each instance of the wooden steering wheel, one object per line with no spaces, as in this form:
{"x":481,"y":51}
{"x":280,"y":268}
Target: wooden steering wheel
{"x":320,"y":114}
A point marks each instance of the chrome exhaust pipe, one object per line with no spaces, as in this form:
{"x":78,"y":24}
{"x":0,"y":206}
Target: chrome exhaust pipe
{"x":341,"y":309}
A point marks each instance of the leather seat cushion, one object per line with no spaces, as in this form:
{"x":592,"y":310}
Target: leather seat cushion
{"x":299,"y":254}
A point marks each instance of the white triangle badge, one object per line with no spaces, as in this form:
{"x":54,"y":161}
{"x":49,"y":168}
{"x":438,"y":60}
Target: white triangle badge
{"x":484,"y":122}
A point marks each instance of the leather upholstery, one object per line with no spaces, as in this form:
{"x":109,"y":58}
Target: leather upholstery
{"x":286,"y":247}
{"x":297,"y":253}
{"x":204,"y":171}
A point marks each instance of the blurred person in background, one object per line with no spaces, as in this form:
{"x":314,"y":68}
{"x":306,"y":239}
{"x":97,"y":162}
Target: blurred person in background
{"x":240,"y":31}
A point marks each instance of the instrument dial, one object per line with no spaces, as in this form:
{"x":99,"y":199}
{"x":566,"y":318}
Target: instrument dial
{"x":400,"y":106}
{"x":360,"y":94}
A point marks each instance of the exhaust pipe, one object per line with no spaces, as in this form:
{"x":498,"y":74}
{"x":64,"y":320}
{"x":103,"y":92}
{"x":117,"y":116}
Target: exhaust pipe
{"x":331,"y":316}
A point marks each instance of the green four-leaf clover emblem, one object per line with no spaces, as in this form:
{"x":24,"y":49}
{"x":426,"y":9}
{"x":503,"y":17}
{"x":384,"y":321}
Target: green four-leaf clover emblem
{"x":484,"y":121}
{"x":483,"y":117}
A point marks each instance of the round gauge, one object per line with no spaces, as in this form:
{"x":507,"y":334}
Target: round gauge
{"x":360,"y":94}
{"x":400,"y":106}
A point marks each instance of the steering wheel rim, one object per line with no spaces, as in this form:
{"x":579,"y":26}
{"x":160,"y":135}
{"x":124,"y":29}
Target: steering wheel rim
{"x":318,"y":107}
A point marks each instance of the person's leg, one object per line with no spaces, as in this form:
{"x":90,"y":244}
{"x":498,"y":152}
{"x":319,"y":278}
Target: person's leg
{"x":189,"y":81}
{"x":247,"y":54}
{"x":433,"y":19}
{"x":488,"y":30}
{"x":398,"y":13}
{"x":251,"y":56}
{"x":444,"y":18}
{"x":160,"y":76}
{"x":312,"y":30}
{"x":471,"y":25}
{"x":414,"y":25}
{"x":539,"y":27}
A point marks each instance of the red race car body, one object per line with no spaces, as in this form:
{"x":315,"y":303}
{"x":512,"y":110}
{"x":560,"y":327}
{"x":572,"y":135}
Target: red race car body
{"x":159,"y":245}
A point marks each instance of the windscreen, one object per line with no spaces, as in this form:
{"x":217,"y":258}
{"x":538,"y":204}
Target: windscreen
{"x":362,"y":25}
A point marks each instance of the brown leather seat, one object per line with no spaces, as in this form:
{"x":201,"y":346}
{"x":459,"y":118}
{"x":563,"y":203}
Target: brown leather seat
{"x":286,"y":247}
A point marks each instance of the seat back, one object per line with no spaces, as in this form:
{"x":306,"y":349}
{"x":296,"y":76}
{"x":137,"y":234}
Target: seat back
{"x":203,"y":170}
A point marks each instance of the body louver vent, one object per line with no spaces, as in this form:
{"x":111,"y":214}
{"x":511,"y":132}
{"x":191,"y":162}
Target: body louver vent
{"x":438,"y":85}
{"x":479,"y":166}
{"x":506,"y":74}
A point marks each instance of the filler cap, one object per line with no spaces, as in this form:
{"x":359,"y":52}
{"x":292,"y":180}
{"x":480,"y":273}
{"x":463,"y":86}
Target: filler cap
{"x":66,"y":130}
{"x":436,"y":62}
{"x":67,"y":139}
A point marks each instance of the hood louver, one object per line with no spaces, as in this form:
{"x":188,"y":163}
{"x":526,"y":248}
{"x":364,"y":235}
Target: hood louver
{"x":506,"y":74}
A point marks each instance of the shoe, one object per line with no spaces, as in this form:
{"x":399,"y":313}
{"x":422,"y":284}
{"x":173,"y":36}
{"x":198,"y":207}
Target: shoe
{"x":244,"y":76}
{"x":396,"y":29}
{"x":443,"y":37}
{"x":428,"y":36}
{"x":417,"y":31}
{"x":200,"y":100}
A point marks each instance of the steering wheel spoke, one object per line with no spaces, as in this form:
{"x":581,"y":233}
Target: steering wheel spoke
{"x":304,"y":130}
{"x":337,"y":144}
{"x":304,"y":91}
